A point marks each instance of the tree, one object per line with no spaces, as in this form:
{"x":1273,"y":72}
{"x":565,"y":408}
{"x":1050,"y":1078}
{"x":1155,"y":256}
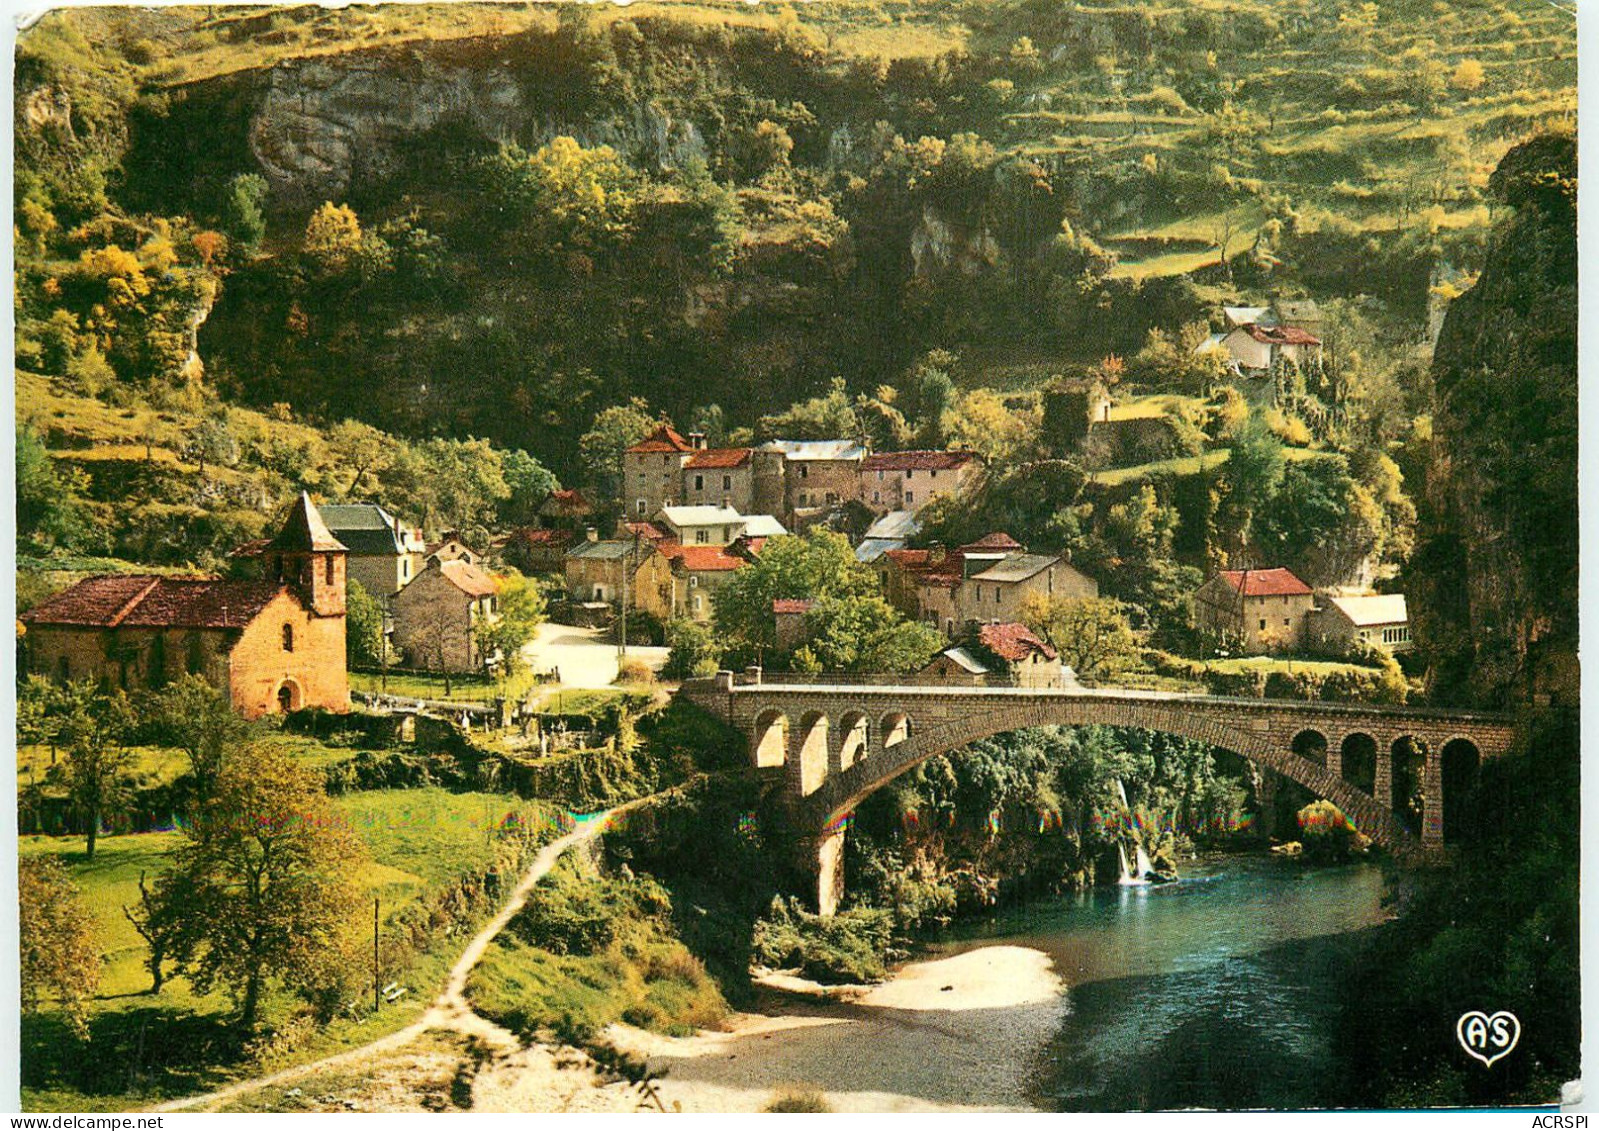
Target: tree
{"x":361,"y":450}
{"x":332,"y":237}
{"x":242,"y":210}
{"x":364,"y":644}
{"x":1468,"y":76}
{"x":1253,"y":473}
{"x":466,"y":485}
{"x":97,"y":761}
{"x":199,"y":720}
{"x":830,"y":416}
{"x":818,"y":565}
{"x":615,"y":429}
{"x":49,"y":512}
{"x":693,"y":652}
{"x":59,"y":953}
{"x":530,"y":483}
{"x":1091,"y":634}
{"x":261,"y":885}
{"x":864,"y":634}
{"x":521,"y":612}
{"x":567,"y":197}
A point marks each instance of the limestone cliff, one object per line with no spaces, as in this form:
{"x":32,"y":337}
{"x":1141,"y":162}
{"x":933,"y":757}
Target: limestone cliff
{"x":1493,"y":583}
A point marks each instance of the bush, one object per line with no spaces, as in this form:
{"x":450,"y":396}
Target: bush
{"x":849,"y":947}
{"x":694,"y":654}
{"x":634,"y":671}
{"x":805,"y":1099}
{"x":1325,"y":832}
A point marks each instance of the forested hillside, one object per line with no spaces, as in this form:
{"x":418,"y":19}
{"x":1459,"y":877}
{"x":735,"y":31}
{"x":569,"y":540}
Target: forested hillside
{"x":752,"y":202}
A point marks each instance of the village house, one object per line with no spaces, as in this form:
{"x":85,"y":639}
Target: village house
{"x":384,"y":553}
{"x":702,"y":526}
{"x":997,"y":653}
{"x":566,"y":509}
{"x":697,"y":573}
{"x":1341,"y":625}
{"x":1257,"y":337}
{"x":908,"y":481}
{"x":1257,"y":610}
{"x":535,"y":551}
{"x":597,"y":571}
{"x":437,"y":615}
{"x":652,"y":472}
{"x":451,"y":548}
{"x":271,"y":644}
{"x":788,"y":617}
{"x":890,"y":532}
{"x":987,"y":581}
{"x":802,"y":479}
{"x":720,"y":476}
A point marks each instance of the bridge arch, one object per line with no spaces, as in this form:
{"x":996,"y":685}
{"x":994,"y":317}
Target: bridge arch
{"x":1311,"y":745}
{"x":1459,"y":765}
{"x":1408,"y":784}
{"x":769,"y":740}
{"x":810,"y":760}
{"x":854,"y":739}
{"x":1357,"y":761}
{"x":894,"y":728}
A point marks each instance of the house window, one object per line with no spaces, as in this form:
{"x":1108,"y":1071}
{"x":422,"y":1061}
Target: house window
{"x":405,"y":568}
{"x":933,"y":474}
{"x":877,"y":496}
{"x":805,"y":472}
{"x":288,"y":638}
{"x":64,"y":670}
{"x":1285,"y":622}
{"x":328,"y":572}
{"x":698,"y":603}
{"x":599,"y":592}
{"x":701,"y":536}
{"x":910,"y":473}
{"x":726,"y":537}
{"x":641,"y":508}
{"x":879,"y":476}
{"x":1263,"y":625}
{"x":693,"y":581}
{"x":699,"y":483}
{"x":727,"y":482}
{"x":910,"y":496}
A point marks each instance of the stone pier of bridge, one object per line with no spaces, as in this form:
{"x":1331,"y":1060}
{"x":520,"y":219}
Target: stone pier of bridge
{"x":837,"y":742}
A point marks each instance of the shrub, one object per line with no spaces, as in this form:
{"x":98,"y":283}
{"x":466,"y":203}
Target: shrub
{"x":634,"y":671}
{"x":1325,"y":832}
{"x":851,"y":946}
{"x":802,"y":1099}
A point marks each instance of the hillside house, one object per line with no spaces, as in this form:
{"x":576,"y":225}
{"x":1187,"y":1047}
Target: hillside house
{"x":697,"y":573}
{"x":1340,"y":625}
{"x":997,"y":653}
{"x":451,"y":548}
{"x":436,"y":617}
{"x":384,"y":553}
{"x":720,"y":476}
{"x":908,"y":481}
{"x":652,"y":472}
{"x":788,"y":617}
{"x":566,"y":509}
{"x":271,"y":644}
{"x":597,"y":571}
{"x":1257,"y":337}
{"x":701,"y":526}
{"x":801,"y":479}
{"x":538,"y":550}
{"x":987,"y":581}
{"x":890,"y":532}
{"x":1258,"y":610}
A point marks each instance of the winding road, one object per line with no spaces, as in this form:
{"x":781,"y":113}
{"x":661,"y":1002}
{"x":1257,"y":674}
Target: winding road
{"x":449,"y":1011}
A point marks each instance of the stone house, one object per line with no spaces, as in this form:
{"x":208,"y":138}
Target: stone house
{"x":652,"y":472}
{"x":436,"y":617}
{"x":566,"y":509}
{"x":720,"y":476}
{"x":908,"y":481}
{"x":272,"y":644}
{"x":1258,"y":610}
{"x":1340,"y":625}
{"x":812,"y":477}
{"x":788,"y":615}
{"x":987,"y":581}
{"x":538,"y":551}
{"x":997,"y":653}
{"x":384,"y":553}
{"x":597,"y":571}
{"x":703,"y":525}
{"x":1257,"y":337}
{"x":697,"y":573}
{"x":451,"y":548}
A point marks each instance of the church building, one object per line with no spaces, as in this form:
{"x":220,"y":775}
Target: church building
{"x":273,"y":644}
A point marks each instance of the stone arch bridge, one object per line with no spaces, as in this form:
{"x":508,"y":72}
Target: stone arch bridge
{"x":838,"y":742}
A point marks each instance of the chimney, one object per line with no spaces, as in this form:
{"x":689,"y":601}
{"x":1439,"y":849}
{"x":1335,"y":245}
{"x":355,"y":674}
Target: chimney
{"x":727,"y":502}
{"x":697,"y":441}
{"x":591,"y":533}
{"x":936,"y":553}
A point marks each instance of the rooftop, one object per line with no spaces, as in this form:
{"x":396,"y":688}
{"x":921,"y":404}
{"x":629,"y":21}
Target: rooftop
{"x":718,"y":458}
{"x":133,"y":600}
{"x":303,"y":529}
{"x":791,"y":605}
{"x":366,"y":529}
{"x":918,"y":461}
{"x":998,"y":540}
{"x":702,"y":559}
{"x":801,"y":450}
{"x":1282,"y":335}
{"x":700,"y":516}
{"x":1277,"y":582}
{"x":1017,"y":567}
{"x":895,"y":524}
{"x":967,"y":661}
{"x":1374,"y":609}
{"x":762,"y":526}
{"x":665,"y":438}
{"x":468,"y":578}
{"x":1013,"y":642}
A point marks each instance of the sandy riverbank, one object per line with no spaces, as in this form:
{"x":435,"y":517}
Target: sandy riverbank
{"x":951,"y":1034}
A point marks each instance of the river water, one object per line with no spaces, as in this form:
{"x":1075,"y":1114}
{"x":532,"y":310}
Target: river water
{"x":1220,"y":991}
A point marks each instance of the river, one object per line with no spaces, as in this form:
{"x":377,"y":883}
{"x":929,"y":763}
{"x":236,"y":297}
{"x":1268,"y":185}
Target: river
{"x":1220,"y":991}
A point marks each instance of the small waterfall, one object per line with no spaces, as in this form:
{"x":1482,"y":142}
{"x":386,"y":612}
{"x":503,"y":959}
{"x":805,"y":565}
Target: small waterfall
{"x":1145,"y":866}
{"x":1121,"y":792}
{"x":1127,"y":879}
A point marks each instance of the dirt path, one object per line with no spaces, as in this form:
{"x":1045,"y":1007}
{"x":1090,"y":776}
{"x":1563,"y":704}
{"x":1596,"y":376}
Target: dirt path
{"x":449,"y":1010}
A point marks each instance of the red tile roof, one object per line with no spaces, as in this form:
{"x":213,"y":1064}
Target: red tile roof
{"x":663,"y":439}
{"x":718,"y":458}
{"x":917,"y":461}
{"x":566,"y":501}
{"x":702,"y":559}
{"x":907,"y":559}
{"x":1265,"y":582}
{"x":1013,"y":642}
{"x":142,"y":601}
{"x":645,"y":530}
{"x":791,"y":605}
{"x":1281,"y":335}
{"x":542,"y":537}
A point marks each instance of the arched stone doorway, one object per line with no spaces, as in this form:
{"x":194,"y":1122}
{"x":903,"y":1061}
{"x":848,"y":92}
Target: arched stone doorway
{"x":288,"y":697}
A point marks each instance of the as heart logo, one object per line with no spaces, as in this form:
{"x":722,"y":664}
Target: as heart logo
{"x":1488,"y":1038}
